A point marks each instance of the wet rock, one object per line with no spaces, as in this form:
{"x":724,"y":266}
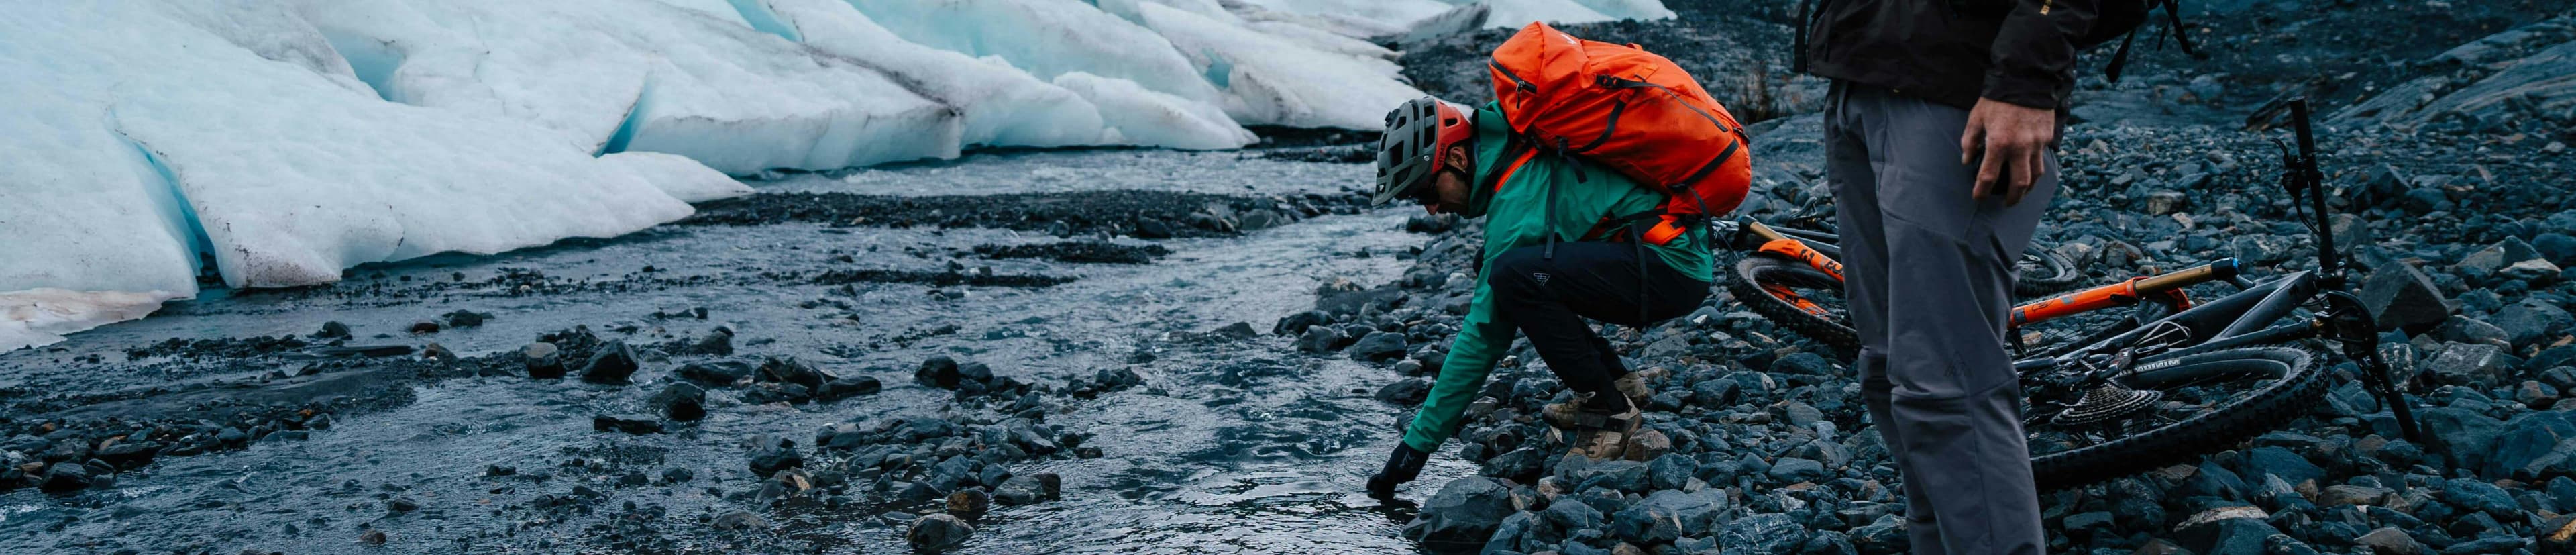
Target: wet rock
{"x":1519,"y":465}
{"x":424,"y":326}
{"x":970,"y":503}
{"x":682,"y":401}
{"x":1153,"y":229}
{"x":739,"y":520}
{"x":1763,"y":534}
{"x":499,"y":471}
{"x":715,"y":373}
{"x":1430,"y":223}
{"x":466,"y":318}
{"x":1378,"y":346}
{"x":65,"y":477}
{"x":1793,"y":469}
{"x":545,"y":360}
{"x":2277,"y":461}
{"x":717,"y":342}
{"x":791,"y":371}
{"x":1647,"y":445}
{"x":844,"y":388}
{"x":676,"y":475}
{"x":1646,"y":524}
{"x":2230,"y":530}
{"x":613,"y":364}
{"x":1319,"y":339}
{"x":2390,"y":541}
{"x":128,"y":454}
{"x":772,"y":457}
{"x":629,"y":423}
{"x":1297,"y":324}
{"x":2479,"y":495}
{"x":333,"y":330}
{"x":2400,"y":296}
{"x":2471,"y":364}
{"x":938,"y":532}
{"x":2532,"y":446}
{"x":401,"y":505}
{"x":2532,"y":321}
{"x":1569,"y":515}
{"x":1020,"y":490}
{"x":1406,"y":392}
{"x":1466,"y":511}
{"x":2557,"y":537}
{"x":373,"y":537}
{"x":938,"y":371}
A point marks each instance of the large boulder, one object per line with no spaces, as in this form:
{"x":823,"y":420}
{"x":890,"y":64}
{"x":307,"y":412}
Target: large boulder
{"x":938,"y":532}
{"x":1763,"y":534}
{"x":1378,"y":346}
{"x":1465,"y":512}
{"x":2476,"y":364}
{"x":2400,"y":296}
{"x":2533,"y":321}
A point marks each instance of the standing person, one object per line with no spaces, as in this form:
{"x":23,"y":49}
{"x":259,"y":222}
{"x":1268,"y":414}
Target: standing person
{"x":1546,"y":268}
{"x":1939,"y":138}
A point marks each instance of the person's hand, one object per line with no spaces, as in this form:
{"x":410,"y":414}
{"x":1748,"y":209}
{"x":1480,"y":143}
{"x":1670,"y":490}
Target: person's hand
{"x":1401,"y":466}
{"x":2011,"y":138}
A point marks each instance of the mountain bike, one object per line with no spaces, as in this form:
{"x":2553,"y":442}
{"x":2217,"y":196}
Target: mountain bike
{"x":2172,"y":381}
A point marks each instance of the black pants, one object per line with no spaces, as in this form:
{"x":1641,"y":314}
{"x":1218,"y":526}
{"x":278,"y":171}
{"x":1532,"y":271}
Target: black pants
{"x":1547,"y":300}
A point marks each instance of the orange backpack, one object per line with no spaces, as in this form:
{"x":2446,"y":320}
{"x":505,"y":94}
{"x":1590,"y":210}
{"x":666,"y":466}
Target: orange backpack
{"x":1622,"y":107}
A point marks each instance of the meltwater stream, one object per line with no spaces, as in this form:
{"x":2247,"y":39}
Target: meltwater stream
{"x":1231,"y":445}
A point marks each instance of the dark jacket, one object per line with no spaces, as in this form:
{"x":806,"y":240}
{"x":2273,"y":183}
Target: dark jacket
{"x":1955,"y":51}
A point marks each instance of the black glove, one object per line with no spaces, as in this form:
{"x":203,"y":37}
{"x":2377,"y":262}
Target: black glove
{"x":1401,"y":466}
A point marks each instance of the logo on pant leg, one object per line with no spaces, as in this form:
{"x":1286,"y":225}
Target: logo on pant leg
{"x":1540,"y":276}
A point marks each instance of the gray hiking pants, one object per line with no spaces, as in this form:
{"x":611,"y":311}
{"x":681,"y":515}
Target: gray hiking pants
{"x":1928,"y":273}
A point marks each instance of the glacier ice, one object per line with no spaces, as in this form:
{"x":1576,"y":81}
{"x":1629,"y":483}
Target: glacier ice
{"x":150,"y":141}
{"x":1047,"y":38}
{"x":39,"y":317}
{"x":1276,"y":82}
{"x":1519,"y":13}
{"x":277,"y":142}
{"x":715,"y":90}
{"x":678,"y":176}
{"x":1353,"y":18}
{"x":1629,"y":9}
{"x":1138,"y":116}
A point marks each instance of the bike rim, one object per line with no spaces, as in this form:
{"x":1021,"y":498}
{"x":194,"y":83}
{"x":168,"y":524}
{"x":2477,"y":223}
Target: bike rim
{"x":1807,"y":290}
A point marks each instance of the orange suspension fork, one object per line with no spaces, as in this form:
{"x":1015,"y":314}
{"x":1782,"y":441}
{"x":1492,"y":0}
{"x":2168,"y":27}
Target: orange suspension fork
{"x":1792,"y":248}
{"x":2126,"y":293}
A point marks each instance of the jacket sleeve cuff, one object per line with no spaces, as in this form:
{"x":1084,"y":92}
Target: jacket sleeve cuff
{"x":2024,"y":91}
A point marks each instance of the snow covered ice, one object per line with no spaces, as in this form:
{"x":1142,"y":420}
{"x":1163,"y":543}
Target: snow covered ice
{"x":267,"y":143}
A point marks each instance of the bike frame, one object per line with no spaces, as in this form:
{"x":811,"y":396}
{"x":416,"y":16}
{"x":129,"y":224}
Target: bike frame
{"x":2252,"y":316}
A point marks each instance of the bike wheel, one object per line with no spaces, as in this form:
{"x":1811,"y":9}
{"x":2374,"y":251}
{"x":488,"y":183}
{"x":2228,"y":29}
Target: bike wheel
{"x":2041,"y":271}
{"x":2212,"y":401}
{"x":1797,"y":297}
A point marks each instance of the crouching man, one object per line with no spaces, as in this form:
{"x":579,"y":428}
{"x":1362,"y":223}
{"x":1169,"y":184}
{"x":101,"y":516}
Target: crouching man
{"x":1563,"y":242}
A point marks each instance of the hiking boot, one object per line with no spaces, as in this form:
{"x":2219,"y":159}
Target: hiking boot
{"x":1632,"y":385}
{"x":1602,"y":436}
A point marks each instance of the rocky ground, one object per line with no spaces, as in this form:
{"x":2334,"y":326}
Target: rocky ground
{"x":2444,"y":130}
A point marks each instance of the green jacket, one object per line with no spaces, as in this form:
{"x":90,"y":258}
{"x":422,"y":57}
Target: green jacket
{"x":1516,"y":215}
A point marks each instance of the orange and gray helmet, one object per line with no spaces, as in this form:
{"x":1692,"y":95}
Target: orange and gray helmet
{"x":1415,"y":146}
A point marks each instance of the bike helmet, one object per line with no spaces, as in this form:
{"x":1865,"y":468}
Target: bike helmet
{"x":1416,"y":145}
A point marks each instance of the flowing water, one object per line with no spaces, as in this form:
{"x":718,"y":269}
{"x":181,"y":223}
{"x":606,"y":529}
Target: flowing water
{"x":1232,"y":445}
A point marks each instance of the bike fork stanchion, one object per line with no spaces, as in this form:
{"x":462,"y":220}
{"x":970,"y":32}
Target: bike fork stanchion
{"x":2375,"y":376}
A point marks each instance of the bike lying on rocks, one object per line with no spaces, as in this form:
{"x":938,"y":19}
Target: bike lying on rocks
{"x":2174,"y":380}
